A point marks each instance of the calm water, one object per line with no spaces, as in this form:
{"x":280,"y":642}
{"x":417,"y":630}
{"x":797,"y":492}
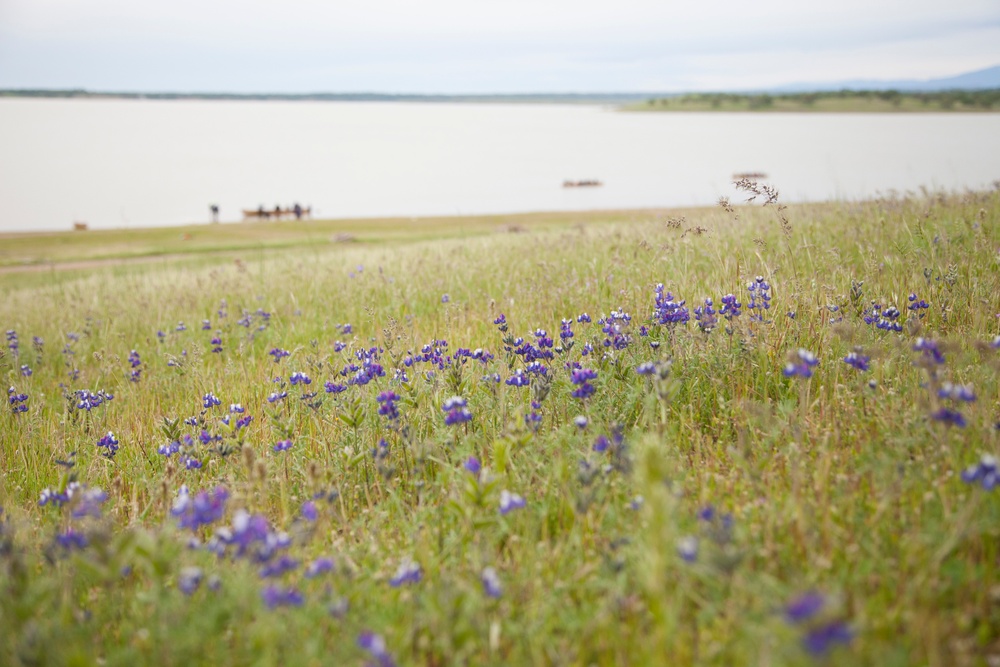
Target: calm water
{"x":117,"y":163}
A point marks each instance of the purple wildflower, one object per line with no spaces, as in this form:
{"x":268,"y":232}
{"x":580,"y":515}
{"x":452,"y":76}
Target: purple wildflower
{"x":282,"y":446}
{"x":375,"y":646}
{"x":279,"y":354}
{"x":275,"y":596}
{"x":984,"y":473}
{"x":957,"y":392}
{"x":299,"y":378}
{"x":408,"y":572}
{"x":209,"y":400}
{"x":202,"y":510}
{"x":687,"y":548}
{"x":318,"y":567}
{"x":857,"y":360}
{"x":510,"y":502}
{"x":109,"y":444}
{"x":189,"y":579}
{"x":801,"y":365}
{"x":472,"y":466}
{"x":949,"y":417}
{"x":491,"y":583}
{"x":278,"y":567}
{"x":455,"y":411}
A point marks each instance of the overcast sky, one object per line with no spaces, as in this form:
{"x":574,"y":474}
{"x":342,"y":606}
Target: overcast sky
{"x":486,"y":46}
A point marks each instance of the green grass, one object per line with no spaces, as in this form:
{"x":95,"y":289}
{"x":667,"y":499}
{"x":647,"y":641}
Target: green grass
{"x":839,"y":484}
{"x":842,"y":101}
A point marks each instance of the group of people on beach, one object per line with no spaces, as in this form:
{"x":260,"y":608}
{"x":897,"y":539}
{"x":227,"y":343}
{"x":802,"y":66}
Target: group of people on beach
{"x":262,"y":213}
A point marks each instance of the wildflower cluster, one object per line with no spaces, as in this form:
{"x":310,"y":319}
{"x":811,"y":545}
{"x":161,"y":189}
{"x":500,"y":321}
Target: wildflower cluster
{"x":801,"y":364}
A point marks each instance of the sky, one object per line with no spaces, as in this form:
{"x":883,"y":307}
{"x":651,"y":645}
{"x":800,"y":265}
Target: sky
{"x":486,"y":46}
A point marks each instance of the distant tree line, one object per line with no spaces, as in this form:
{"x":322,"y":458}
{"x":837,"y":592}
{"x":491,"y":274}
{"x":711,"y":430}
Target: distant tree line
{"x":945,"y":99}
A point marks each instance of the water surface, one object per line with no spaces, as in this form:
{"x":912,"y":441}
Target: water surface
{"x":130,"y":163}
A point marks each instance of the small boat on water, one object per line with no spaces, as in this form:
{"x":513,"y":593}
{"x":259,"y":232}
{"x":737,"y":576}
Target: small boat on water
{"x":582,"y":184}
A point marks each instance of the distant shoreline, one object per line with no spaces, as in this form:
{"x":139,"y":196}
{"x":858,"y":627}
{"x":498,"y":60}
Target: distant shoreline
{"x":516,"y":98}
{"x":840,"y":101}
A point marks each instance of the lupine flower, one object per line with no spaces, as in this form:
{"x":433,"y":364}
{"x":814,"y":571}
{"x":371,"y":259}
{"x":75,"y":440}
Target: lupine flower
{"x":984,"y":473}
{"x":917,"y":304}
{"x":510,"y":502}
{"x":109,"y":444}
{"x":929,"y":349}
{"x":646,"y":368}
{"x":169,"y":449}
{"x":299,"y":378}
{"x":408,"y":572}
{"x":243,"y":422}
{"x":210,"y":400}
{"x":332,"y":388}
{"x":581,"y":377}
{"x":491,"y":583}
{"x":565,"y":329}
{"x":687,"y":548}
{"x":86,"y":501}
{"x":636,"y":503}
{"x":857,"y":360}
{"x":760,"y":298}
{"x":202,"y":510}
{"x":455,"y":411}
{"x":601,"y":444}
{"x":89,"y":400}
{"x":472,"y":466}
{"x":801,"y":365}
{"x":278,"y":354}
{"x":18,"y":402}
{"x":190,"y":462}
{"x":189,"y":579}
{"x":730,"y":307}
{"x":276,"y":396}
{"x":820,"y":635}
{"x":216,"y":343}
{"x":318,"y":567}
{"x":375,"y":646}
{"x":501,"y":323}
{"x":804,"y":607}
{"x":275,"y":596}
{"x":949,"y":417}
{"x":282,"y":446}
{"x":12,"y":342}
{"x":818,"y":641}
{"x":705,"y":316}
{"x":580,"y":421}
{"x":667,"y":311}
{"x":277,"y":568}
{"x":180,"y":327}
{"x":71,"y":540}
{"x":957,"y":392}
{"x":445,"y":298}
{"x":236,"y":408}
{"x":308,"y":511}
{"x":387,"y":404}
{"x":26,"y":370}
{"x":582,"y":318}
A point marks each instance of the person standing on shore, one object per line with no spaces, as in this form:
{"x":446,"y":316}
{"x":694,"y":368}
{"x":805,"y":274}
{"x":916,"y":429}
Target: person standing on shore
{"x":214,"y":208}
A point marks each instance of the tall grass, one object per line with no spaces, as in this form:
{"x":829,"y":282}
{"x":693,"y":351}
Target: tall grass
{"x":712,"y":509}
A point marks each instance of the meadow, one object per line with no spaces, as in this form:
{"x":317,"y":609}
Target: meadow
{"x":746,"y":435}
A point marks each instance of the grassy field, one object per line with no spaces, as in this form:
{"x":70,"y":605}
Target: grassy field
{"x":842,"y":101}
{"x":454,"y":444}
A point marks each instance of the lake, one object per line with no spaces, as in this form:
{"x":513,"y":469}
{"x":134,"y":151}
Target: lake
{"x":139,"y":163}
